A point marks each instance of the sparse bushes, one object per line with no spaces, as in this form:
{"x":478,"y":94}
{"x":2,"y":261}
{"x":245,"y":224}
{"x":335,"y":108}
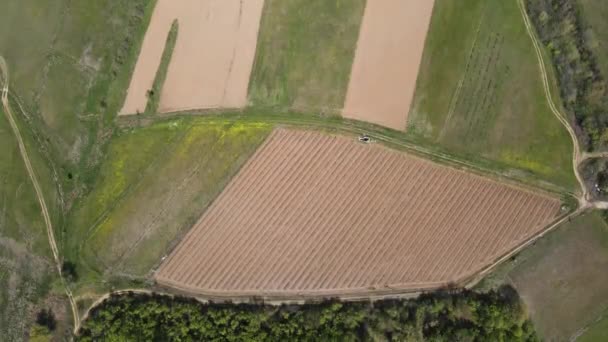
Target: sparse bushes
{"x":68,"y":269}
{"x":444,"y":316}
{"x":46,"y":318}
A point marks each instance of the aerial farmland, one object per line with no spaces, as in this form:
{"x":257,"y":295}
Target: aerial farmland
{"x":366,"y":170}
{"x":316,"y":214}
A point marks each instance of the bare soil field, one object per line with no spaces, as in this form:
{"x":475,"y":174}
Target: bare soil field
{"x":389,"y":51}
{"x":315,"y":214}
{"x":212,"y":59}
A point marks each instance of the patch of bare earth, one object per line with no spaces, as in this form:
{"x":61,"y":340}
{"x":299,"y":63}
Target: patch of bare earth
{"x":389,"y":51}
{"x":314,"y":214}
{"x":212,"y":58}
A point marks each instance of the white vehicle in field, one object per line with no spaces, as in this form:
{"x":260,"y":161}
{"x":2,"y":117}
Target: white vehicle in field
{"x":366,"y":139}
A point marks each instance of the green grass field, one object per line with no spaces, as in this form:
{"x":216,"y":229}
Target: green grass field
{"x":561,"y":278}
{"x":70,"y":62}
{"x":161,"y":73}
{"x":597,"y":332}
{"x":304,"y":54}
{"x":153,"y":185}
{"x":594,"y":13}
{"x":479,"y":92}
{"x":26,"y":264}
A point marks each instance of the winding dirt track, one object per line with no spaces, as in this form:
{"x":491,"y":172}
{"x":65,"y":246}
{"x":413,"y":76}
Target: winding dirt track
{"x":576,"y":153}
{"x":4,"y":77}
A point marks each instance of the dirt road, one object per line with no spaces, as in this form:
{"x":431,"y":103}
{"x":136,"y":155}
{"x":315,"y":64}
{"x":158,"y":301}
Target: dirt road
{"x":30,"y":170}
{"x":576,"y":154}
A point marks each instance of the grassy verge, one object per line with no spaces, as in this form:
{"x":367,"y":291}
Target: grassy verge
{"x":558,"y":277}
{"x":304,"y":54}
{"x":487,"y":99}
{"x":26,"y":265}
{"x":154,"y":184}
{"x":70,"y":64}
{"x":161,"y":73}
{"x":597,"y":332}
{"x":394,"y":139}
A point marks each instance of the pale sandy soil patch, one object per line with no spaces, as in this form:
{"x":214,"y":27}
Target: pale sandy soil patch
{"x":389,"y":51}
{"x":318,"y":214}
{"x":212,"y":58}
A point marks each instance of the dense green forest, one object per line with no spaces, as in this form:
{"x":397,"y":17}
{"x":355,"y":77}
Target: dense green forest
{"x":583,"y":89}
{"x":444,"y":316}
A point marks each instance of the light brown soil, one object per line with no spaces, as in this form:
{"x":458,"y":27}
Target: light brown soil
{"x":212,"y":58}
{"x":389,"y":51}
{"x":318,"y":214}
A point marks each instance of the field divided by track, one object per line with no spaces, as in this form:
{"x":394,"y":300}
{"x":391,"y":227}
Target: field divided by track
{"x":479,"y":92}
{"x":317,"y":214}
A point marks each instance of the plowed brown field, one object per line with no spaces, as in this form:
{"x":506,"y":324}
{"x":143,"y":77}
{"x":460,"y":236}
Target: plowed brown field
{"x":212,"y":58}
{"x":314,"y":214}
{"x":385,"y":68}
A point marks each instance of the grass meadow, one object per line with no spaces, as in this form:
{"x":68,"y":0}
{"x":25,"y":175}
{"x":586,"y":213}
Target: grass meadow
{"x":479,"y":92}
{"x":304,"y":54}
{"x":152,"y":186}
{"x":26,"y":264}
{"x":70,"y":64}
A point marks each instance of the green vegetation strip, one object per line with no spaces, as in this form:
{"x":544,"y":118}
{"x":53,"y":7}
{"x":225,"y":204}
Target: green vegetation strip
{"x":455,"y":316}
{"x":583,"y":88}
{"x":598,"y":331}
{"x":304,"y":54}
{"x":502,"y":171}
{"x":161,"y":73}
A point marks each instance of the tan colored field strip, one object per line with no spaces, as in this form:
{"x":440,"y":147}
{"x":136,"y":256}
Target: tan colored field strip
{"x":317,"y":214}
{"x":389,"y":51}
{"x":212,"y":59}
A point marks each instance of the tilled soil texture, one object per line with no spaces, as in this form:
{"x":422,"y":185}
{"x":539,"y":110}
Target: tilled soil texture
{"x":315,"y":214}
{"x":383,"y":77}
{"x":212,"y":59}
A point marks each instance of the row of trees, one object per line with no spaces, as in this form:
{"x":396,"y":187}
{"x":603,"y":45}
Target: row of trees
{"x":445,"y":316}
{"x":583,"y":88}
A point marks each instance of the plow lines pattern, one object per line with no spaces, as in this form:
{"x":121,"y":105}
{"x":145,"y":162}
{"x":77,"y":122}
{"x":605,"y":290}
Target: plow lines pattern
{"x":314,"y":214}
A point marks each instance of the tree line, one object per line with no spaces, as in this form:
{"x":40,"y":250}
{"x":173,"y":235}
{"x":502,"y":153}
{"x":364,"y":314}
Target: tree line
{"x":583,"y":89}
{"x":443,"y":316}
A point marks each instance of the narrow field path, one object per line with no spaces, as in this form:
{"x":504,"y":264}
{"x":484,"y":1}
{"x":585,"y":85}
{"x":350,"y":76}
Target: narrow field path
{"x":576,"y":154}
{"x":4,"y":77}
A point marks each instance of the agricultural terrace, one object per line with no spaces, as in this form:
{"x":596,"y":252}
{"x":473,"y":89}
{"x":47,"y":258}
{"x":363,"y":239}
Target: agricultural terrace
{"x":314,"y":214}
{"x":153,"y":185}
{"x":211,"y":61}
{"x":561,"y":280}
{"x":387,"y":60}
{"x":479,"y":92}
